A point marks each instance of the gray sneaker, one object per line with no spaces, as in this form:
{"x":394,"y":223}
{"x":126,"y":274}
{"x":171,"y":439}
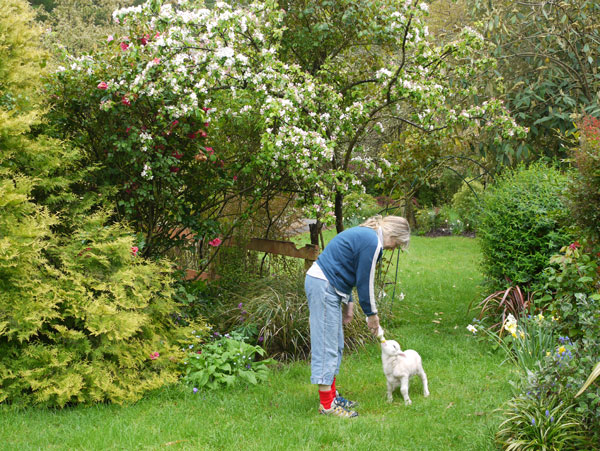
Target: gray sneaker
{"x":337,"y":410}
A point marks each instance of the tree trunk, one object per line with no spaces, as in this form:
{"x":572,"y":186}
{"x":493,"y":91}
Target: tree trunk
{"x":339,"y":212}
{"x":409,"y":212}
{"x":315,"y":230}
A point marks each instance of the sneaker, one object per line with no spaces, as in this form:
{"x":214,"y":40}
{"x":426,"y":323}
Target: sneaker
{"x":337,"y":411}
{"x":345,"y":403}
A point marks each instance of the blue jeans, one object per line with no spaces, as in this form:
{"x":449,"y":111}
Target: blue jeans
{"x":326,"y":331}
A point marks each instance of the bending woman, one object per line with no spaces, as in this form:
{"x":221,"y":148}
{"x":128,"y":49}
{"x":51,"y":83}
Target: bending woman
{"x":349,"y":260}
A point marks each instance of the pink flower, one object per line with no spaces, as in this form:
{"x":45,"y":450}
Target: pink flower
{"x":206,"y":124}
{"x":574,"y":245}
{"x":234,"y":178}
{"x":205,"y":109}
{"x":216,"y":242}
{"x":157,"y":34}
{"x":125,"y":101}
{"x":154,"y":356}
{"x":156,"y":60}
{"x":127,"y":130}
{"x":202,"y":133}
{"x":124,"y":46}
{"x":174,"y":123}
{"x":210,"y":150}
{"x":110,"y":38}
{"x":174,"y":169}
{"x":102,"y":85}
{"x":144,"y":39}
{"x":134,"y":250}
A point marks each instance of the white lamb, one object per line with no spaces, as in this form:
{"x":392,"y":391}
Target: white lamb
{"x":399,"y":366}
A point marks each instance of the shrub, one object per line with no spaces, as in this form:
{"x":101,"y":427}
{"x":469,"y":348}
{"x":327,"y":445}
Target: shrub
{"x":223,"y":362}
{"x":584,"y":189}
{"x":572,"y":291}
{"x":82,"y":318}
{"x":523,"y":222}
{"x":533,"y":422}
{"x":563,"y":373}
{"x":358,"y":207}
{"x":466,"y":202}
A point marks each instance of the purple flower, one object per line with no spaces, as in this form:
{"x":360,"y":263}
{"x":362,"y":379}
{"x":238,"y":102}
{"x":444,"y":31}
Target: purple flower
{"x":240,"y":305}
{"x":547,"y":413}
{"x":195,"y":390}
{"x":533,"y":421}
{"x":260,"y":339}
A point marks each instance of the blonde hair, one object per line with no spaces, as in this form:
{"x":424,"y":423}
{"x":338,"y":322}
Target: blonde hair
{"x":395,"y":227}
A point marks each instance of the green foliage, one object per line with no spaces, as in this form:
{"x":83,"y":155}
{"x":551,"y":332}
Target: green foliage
{"x":358,"y":207}
{"x":562,"y":373}
{"x":83,"y":318}
{"x":533,"y":423}
{"x":572,"y":291}
{"x":548,"y":56}
{"x":522,"y":223}
{"x":225,"y":361}
{"x":528,"y":340}
{"x":584,"y":189}
{"x":467,"y":203}
{"x":80,"y":315}
{"x":81,"y":26}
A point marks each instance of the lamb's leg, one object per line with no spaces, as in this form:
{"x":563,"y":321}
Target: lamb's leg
{"x":424,"y":380}
{"x":390,"y":389}
{"x":404,"y":390}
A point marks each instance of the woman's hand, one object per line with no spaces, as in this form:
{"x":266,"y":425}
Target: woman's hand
{"x":347,"y":312}
{"x":373,"y":323}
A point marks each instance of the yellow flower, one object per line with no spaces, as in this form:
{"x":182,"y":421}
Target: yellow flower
{"x":562,"y":349}
{"x":547,"y":353}
{"x":522,"y":335}
{"x":540,"y":317}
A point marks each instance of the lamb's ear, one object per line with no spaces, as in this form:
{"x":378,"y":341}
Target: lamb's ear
{"x":401,"y":354}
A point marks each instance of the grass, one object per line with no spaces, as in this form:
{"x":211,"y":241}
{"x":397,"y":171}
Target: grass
{"x":439,"y":278}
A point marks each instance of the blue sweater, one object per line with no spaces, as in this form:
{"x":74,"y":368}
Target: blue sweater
{"x":349,"y":260}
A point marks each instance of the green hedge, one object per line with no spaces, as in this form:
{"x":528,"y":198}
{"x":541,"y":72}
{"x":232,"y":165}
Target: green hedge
{"x":522,"y":223}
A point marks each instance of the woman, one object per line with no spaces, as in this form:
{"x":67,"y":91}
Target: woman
{"x":348,"y":261}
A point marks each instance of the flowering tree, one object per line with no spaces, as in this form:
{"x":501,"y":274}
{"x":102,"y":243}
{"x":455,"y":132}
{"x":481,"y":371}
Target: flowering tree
{"x":387,"y":72}
{"x":198,"y":105}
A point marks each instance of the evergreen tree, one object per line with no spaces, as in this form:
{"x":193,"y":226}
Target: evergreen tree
{"x":82,"y":317}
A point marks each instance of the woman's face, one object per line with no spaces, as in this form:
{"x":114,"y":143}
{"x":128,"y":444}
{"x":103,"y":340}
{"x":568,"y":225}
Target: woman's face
{"x":390,"y":243}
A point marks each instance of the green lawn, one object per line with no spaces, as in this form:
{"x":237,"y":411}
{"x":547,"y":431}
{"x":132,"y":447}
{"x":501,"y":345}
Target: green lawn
{"x":439,"y":278}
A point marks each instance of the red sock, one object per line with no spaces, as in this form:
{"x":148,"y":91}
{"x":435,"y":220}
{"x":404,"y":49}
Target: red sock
{"x":333,"y":386}
{"x":326,"y":398}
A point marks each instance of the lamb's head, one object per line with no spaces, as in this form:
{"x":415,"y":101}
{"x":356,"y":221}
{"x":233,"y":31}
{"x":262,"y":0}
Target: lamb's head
{"x":391,"y":348}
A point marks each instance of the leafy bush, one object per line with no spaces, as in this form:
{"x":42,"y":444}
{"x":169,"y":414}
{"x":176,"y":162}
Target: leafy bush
{"x":523,"y":222}
{"x":584,"y":189}
{"x":358,"y":207}
{"x":572,"y":291}
{"x":82,"y":318}
{"x":428,"y":219}
{"x":466,"y":202}
{"x":225,"y":361}
{"x":534,"y":422}
{"x":563,"y":373}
